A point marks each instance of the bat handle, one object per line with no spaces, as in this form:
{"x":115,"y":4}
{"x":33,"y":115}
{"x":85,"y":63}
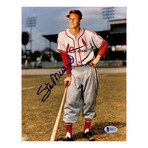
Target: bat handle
{"x":55,"y":129}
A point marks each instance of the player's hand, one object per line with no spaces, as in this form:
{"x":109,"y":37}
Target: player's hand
{"x":67,"y":81}
{"x":96,"y":61}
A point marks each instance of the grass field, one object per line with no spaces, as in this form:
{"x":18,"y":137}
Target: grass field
{"x":38,"y":117}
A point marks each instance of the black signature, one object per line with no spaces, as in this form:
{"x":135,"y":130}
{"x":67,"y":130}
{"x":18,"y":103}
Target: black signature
{"x":75,"y":48}
{"x":56,"y":76}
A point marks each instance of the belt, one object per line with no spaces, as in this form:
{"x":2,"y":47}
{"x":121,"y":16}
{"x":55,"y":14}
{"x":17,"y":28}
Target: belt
{"x":90,"y":64}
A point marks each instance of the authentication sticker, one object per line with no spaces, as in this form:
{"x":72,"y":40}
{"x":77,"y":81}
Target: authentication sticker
{"x":110,"y":129}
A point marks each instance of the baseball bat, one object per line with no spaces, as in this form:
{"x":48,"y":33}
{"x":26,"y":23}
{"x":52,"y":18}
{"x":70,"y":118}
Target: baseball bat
{"x":55,"y":129}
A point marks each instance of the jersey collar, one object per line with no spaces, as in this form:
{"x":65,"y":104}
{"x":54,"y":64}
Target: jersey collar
{"x":73,"y":36}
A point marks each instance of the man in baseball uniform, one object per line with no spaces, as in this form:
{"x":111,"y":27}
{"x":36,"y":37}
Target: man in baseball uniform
{"x":82,"y":75}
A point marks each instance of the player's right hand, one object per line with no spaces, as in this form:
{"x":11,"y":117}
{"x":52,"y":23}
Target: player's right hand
{"x":67,"y":81}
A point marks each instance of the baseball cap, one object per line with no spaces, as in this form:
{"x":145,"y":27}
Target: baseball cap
{"x":78,"y":12}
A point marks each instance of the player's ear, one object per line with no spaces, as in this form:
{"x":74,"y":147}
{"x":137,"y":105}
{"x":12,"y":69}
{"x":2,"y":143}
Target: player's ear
{"x":80,"y":21}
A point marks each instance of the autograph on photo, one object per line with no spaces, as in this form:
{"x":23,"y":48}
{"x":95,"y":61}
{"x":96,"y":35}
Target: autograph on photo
{"x":47,"y":86}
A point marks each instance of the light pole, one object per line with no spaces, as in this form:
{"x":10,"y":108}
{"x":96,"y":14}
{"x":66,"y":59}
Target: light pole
{"x":108,"y":13}
{"x":31,"y":22}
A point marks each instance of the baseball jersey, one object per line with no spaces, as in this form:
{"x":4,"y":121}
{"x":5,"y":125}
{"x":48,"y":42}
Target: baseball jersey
{"x":80,"y":47}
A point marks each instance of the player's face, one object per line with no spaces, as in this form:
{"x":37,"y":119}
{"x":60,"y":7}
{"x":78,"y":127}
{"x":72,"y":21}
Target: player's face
{"x":74,"y":21}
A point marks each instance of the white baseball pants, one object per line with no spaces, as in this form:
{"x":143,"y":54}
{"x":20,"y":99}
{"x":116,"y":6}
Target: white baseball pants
{"x":81,"y":94}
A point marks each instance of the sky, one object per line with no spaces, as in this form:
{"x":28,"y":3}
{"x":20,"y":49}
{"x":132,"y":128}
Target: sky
{"x":52,"y":20}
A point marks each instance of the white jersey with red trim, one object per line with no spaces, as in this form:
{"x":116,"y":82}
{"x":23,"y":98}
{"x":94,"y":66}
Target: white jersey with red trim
{"x":81,"y":46}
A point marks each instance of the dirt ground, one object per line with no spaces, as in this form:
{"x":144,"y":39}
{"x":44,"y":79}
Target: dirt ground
{"x":38,"y":117}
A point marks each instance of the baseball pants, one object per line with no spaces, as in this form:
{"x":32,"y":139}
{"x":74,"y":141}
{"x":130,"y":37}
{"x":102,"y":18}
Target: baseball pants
{"x":81,"y":94}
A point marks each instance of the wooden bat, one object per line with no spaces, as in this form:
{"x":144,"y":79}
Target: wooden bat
{"x":56,"y":125}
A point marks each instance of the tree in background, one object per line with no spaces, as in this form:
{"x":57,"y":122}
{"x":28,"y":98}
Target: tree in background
{"x":25,"y":39}
{"x":26,"y":56}
{"x":35,"y":55}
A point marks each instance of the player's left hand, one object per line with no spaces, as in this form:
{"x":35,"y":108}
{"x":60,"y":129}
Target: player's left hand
{"x":96,"y":61}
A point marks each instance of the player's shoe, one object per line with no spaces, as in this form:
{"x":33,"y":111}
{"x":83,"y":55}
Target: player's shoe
{"x":89,"y":136}
{"x":67,"y":139}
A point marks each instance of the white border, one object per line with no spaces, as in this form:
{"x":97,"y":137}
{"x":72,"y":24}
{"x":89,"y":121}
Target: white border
{"x":137,"y":74}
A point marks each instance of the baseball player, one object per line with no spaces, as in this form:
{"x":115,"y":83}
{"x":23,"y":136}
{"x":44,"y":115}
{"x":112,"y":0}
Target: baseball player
{"x":82,"y":77}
